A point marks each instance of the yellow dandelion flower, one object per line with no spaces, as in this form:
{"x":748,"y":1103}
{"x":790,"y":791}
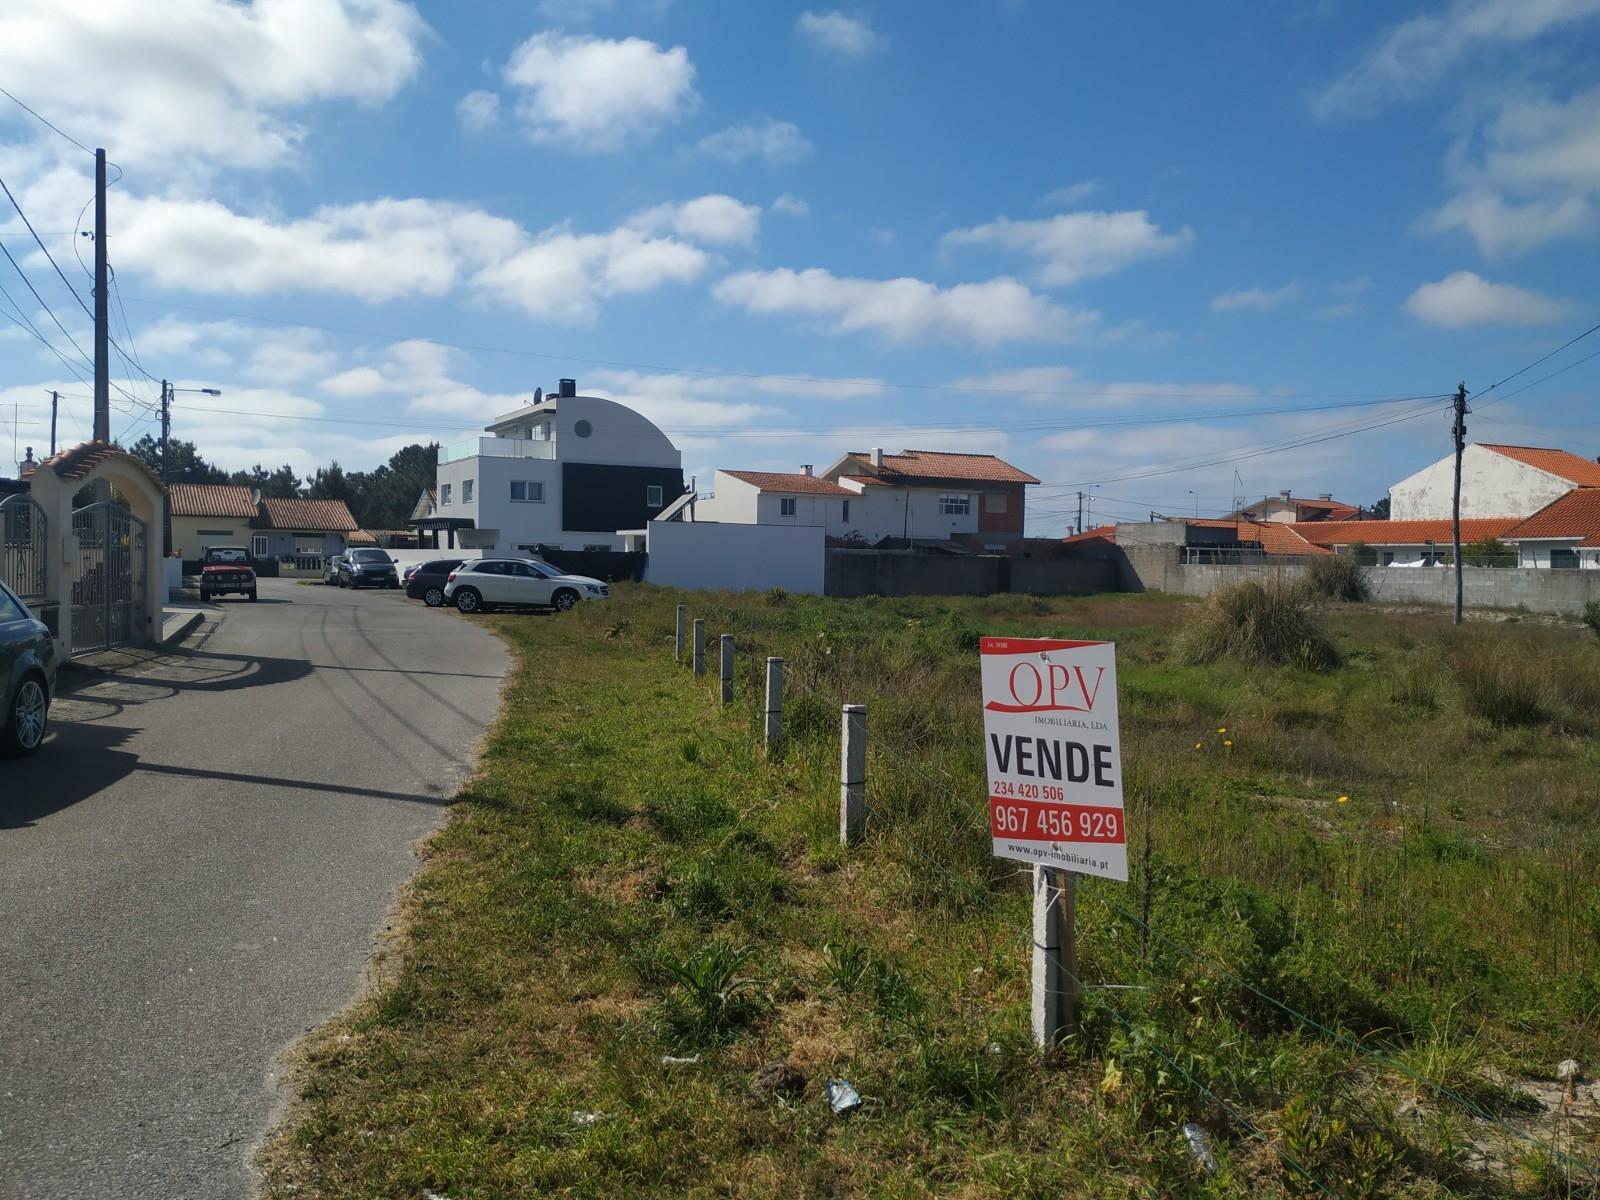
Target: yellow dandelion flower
{"x":1344,"y":799}
{"x":1228,"y":743}
{"x":1198,"y":745}
{"x":1223,"y":729}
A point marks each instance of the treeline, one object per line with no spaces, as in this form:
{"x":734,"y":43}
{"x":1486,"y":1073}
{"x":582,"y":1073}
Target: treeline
{"x":379,"y":499}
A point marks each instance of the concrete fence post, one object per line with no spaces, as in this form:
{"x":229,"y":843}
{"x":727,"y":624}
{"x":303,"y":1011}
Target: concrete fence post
{"x":1055,"y":956}
{"x":852,"y":773}
{"x":699,"y":648}
{"x":682,"y":611}
{"x":774,"y":730}
{"x":726,"y":664}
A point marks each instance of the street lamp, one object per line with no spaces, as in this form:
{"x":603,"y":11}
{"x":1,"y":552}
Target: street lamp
{"x":1196,"y":496}
{"x":167,"y":392}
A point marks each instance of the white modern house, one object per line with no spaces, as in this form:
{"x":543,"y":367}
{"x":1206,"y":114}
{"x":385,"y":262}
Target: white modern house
{"x":781,"y":498}
{"x":1496,"y":481}
{"x":565,"y":472}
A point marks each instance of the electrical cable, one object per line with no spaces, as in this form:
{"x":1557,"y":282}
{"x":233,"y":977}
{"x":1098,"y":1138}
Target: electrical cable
{"x":46,"y":250}
{"x":46,"y":123}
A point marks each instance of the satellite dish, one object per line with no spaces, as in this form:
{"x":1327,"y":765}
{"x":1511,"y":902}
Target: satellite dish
{"x":538,"y":395}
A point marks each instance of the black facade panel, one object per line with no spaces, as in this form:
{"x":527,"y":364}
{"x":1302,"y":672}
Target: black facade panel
{"x":596,"y":498}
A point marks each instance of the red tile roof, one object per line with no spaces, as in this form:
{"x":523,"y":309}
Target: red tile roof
{"x":1103,"y":533}
{"x":1575,"y":515}
{"x":943,"y":464}
{"x":1274,"y":537}
{"x":211,"y":500}
{"x":79,"y":460}
{"x":361,"y":538}
{"x":780,"y":481}
{"x":319,"y":516}
{"x":1581,"y":471}
{"x":1336,"y":510}
{"x":1400,"y":533}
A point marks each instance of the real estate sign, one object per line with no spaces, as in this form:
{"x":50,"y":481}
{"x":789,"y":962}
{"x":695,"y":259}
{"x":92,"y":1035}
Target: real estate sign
{"x":1055,"y":754}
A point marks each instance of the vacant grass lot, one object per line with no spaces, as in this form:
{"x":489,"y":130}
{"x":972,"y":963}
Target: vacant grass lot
{"x":1368,"y":932}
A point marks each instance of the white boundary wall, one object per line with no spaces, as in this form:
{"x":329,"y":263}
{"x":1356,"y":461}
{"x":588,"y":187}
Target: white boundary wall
{"x":716,"y":556}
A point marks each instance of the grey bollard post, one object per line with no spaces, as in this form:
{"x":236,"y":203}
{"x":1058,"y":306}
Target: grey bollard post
{"x":852,"y":773}
{"x":1055,"y":956}
{"x":726,"y":665}
{"x":774,"y":703}
{"x":699,"y":648}
{"x":682,"y":610}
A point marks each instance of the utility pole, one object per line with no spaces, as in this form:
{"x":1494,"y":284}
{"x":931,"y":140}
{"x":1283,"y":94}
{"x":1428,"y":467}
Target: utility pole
{"x":1460,"y":432}
{"x":55,"y":401}
{"x":102,"y":324}
{"x":1080,"y":512}
{"x":166,"y":473}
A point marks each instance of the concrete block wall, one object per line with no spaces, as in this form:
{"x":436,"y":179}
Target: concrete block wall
{"x":888,"y":573}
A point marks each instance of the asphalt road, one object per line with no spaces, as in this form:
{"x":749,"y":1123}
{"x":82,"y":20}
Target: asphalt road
{"x":193,"y":870}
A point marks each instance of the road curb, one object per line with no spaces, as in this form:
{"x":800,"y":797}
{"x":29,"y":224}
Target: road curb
{"x":180,"y":626}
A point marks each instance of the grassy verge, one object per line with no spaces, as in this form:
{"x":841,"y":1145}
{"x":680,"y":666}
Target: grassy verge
{"x":1403,"y":849}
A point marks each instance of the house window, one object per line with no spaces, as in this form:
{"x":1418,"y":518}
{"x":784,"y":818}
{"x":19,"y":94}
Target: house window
{"x":994,"y":502}
{"x":258,"y":545}
{"x":846,"y":514}
{"x":787,"y":507}
{"x":466,"y":491}
{"x":955,"y":505}
{"x":1563,"y":557}
{"x":1388,"y":557}
{"x":652,"y":496}
{"x":227,"y":533}
{"x":444,"y":495}
{"x":527,"y":491}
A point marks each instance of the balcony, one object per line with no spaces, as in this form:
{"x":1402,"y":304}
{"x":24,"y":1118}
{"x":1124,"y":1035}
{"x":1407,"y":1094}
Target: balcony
{"x":494,"y":447}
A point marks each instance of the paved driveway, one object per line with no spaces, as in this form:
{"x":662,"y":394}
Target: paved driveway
{"x":193,"y":869}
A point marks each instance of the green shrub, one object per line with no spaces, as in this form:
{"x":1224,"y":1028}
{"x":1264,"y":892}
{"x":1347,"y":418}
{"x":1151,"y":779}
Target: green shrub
{"x":1336,"y":577}
{"x":1259,"y":623}
{"x":1591,"y":616}
{"x":1506,"y":689}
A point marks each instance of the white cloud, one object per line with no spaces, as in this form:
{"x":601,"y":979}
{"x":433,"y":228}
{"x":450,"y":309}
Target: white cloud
{"x":1464,"y":299}
{"x":715,"y":220}
{"x":1057,"y":385}
{"x":563,"y":276}
{"x":192,"y":82}
{"x":1535,"y":180}
{"x":594,"y":95}
{"x":906,"y":309}
{"x":478,"y":110}
{"x":355,"y":383}
{"x":1413,"y":55}
{"x":1076,"y":246}
{"x":836,"y":33}
{"x":575,"y":12}
{"x":1069,"y":197}
{"x":1255,"y":299}
{"x":791,"y":206}
{"x":779,"y":142}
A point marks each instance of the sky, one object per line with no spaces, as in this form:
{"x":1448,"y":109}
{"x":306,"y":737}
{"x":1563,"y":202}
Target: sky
{"x":1167,"y":254}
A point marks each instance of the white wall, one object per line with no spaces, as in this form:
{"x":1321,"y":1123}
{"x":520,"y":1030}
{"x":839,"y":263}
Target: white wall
{"x":1537,"y":554}
{"x":1492,"y":485}
{"x":884,"y":513}
{"x":736,"y":557}
{"x":735,"y":501}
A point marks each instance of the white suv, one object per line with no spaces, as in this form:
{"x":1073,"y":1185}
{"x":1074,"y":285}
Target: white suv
{"x":520,"y":582}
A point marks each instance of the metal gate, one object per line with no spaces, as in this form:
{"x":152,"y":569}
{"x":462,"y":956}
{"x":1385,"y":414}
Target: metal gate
{"x":24,"y":559}
{"x":108,"y":591}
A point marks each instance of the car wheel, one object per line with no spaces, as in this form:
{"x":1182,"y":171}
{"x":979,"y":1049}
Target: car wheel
{"x":468,"y":600}
{"x":433,"y":597}
{"x":341,"y":581}
{"x":205,"y":596}
{"x":27,"y":720}
{"x":252,"y":597}
{"x":563,"y":600}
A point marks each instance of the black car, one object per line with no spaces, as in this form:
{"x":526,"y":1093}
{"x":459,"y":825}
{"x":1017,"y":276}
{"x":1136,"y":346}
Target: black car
{"x":367,"y":568}
{"x":427,"y":582}
{"x":27,"y":673}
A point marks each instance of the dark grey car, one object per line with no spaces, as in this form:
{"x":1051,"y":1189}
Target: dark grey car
{"x":27,"y":675}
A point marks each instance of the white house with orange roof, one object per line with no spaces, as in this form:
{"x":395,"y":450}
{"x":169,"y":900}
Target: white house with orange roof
{"x":780,"y":498}
{"x":976,"y":501}
{"x":1496,"y":481}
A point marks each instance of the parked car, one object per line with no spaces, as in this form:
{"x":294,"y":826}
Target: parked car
{"x":330,"y":569}
{"x":410,"y":570}
{"x":27,"y":676}
{"x":427,"y":581}
{"x":225,"y":570}
{"x":524,"y":583}
{"x":367,"y":568}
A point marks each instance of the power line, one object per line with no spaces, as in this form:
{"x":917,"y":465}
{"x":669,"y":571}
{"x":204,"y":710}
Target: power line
{"x":44,"y":248}
{"x":46,"y":123}
{"x":1537,"y":361}
{"x":23,"y":275}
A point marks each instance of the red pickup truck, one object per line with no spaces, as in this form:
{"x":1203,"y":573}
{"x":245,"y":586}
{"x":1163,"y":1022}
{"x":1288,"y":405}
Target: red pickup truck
{"x":227,"y":569}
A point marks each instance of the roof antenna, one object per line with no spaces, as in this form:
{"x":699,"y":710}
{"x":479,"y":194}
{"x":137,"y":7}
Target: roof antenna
{"x":538,"y":395}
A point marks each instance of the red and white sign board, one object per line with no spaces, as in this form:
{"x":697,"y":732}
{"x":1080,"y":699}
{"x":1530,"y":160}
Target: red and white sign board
{"x":1055,"y":754}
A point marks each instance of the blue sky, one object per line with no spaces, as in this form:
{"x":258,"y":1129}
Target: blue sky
{"x":1112,"y":243}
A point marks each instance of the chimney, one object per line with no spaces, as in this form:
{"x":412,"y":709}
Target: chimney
{"x":27,"y":466}
{"x":1286,"y":495}
{"x":569,"y":388}
{"x":805,"y":469}
{"x":877,"y":457}
{"x":1324,"y":495}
